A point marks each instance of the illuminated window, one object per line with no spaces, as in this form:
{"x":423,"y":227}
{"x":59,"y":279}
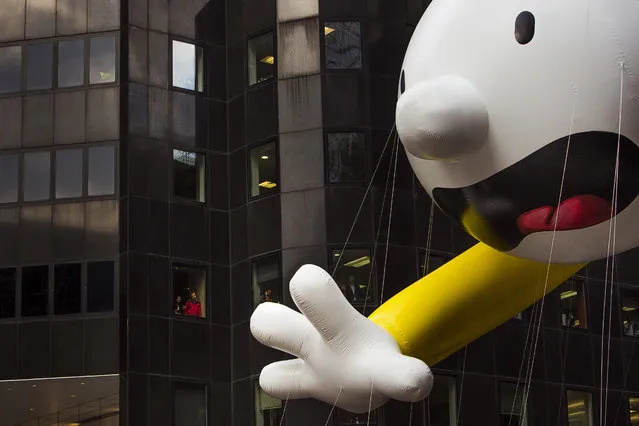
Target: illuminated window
{"x":266,"y":280}
{"x":188,"y":66}
{"x":441,"y":405}
{"x":189,"y":291}
{"x":573,"y":304}
{"x":189,"y":175}
{"x":633,"y":410}
{"x":268,"y":409}
{"x":511,"y":401}
{"x":261,"y":59}
{"x":353,"y":274}
{"x":343,"y":45}
{"x":346,"y":157}
{"x":630,"y":312}
{"x":579,"y":408}
{"x":102,"y":60}
{"x":263,"y":170}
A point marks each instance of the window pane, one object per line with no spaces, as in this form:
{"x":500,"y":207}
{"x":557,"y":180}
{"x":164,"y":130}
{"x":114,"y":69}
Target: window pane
{"x":189,"y":175}
{"x":353,"y":274}
{"x":10,"y":69}
{"x":268,"y":410}
{"x":71,"y":63}
{"x":35,"y":291}
{"x":263,"y":170}
{"x":343,"y":45}
{"x":68,"y":289}
{"x":346,"y":157}
{"x":37,"y":176}
{"x":266,"y":280}
{"x":261,"y":59}
{"x":579,"y":408}
{"x":630,"y":312}
{"x":441,"y":404}
{"x":68,"y":173}
{"x":573,"y":304}
{"x":7,"y":293}
{"x":8,"y":178}
{"x":189,"y":291}
{"x":512,"y":408}
{"x":39,"y":66}
{"x":102,"y":68}
{"x":102,"y":170}
{"x":184,"y":65}
{"x":190,"y":407}
{"x":633,"y":405}
{"x":428,"y":264}
{"x":100,"y":286}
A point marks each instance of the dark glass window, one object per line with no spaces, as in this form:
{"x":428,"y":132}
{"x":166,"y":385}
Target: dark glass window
{"x":100,"y":286}
{"x":346,"y":157}
{"x":261,"y":59}
{"x":10,"y":69}
{"x":263,"y":169}
{"x":268,"y":409}
{"x":428,"y":264}
{"x":35,"y":291}
{"x":573,"y":304}
{"x":37,"y":175}
{"x":102,"y":170}
{"x":188,"y":66}
{"x":343,"y":45}
{"x":511,"y":402}
{"x":441,"y":405}
{"x":39,"y":66}
{"x":345,"y":418}
{"x":266,"y":280}
{"x":102,"y":60}
{"x":190,"y":406}
{"x":630,"y":312}
{"x":633,"y":410}
{"x":68,"y":173}
{"x":189,"y":175}
{"x":71,"y":63}
{"x":8,"y":178}
{"x":7,"y":293}
{"x":353,"y":274}
{"x":189,"y":291}
{"x":67,"y":289}
{"x":579,"y":408}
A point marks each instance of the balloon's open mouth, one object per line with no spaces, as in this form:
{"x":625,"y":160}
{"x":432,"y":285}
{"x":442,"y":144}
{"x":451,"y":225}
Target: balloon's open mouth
{"x":523,"y":198}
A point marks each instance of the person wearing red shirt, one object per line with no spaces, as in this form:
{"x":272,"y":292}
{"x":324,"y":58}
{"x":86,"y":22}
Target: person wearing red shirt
{"x":193,"y":307}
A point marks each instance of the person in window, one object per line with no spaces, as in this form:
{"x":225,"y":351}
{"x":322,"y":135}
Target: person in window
{"x":354,"y":293}
{"x":193,"y":307}
{"x":179,"y":306}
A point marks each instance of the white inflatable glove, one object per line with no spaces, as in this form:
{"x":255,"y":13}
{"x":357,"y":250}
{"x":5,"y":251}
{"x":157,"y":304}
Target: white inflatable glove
{"x":343,"y":358}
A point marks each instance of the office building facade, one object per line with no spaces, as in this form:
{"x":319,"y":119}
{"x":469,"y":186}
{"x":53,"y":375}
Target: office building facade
{"x":167,"y":165}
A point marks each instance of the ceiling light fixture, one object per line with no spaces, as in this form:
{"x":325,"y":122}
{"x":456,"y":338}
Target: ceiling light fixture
{"x":358,"y":263}
{"x":264,"y":157}
{"x":268,"y":60}
{"x":268,"y":184}
{"x":328,"y":30}
{"x":567,"y":294}
{"x":628,"y":309}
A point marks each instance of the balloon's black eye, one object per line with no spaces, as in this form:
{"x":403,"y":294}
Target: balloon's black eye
{"x":402,"y":83}
{"x":524,"y":27}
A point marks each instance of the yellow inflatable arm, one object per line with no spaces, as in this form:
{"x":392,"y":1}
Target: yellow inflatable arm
{"x":464,"y":299}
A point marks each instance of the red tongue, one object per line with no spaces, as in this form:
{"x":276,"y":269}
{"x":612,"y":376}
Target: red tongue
{"x":577,"y":212}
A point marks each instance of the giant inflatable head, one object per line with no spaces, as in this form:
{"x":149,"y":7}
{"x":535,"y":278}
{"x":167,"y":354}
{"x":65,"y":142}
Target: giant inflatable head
{"x":501,"y":99}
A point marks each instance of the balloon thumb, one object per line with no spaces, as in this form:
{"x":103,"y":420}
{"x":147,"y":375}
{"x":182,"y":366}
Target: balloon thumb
{"x":403,"y":378}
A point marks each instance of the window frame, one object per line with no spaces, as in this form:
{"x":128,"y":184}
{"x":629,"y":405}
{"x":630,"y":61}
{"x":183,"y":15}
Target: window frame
{"x":455,"y":409}
{"x":198,"y":72}
{"x":592,"y":413}
{"x":575,"y":280}
{"x":278,"y":256}
{"x":374,"y":302}
{"x":182,"y":200}
{"x":207,"y":285}
{"x":207,"y":396}
{"x":83,"y":287}
{"x":23,"y":74}
{"x":521,"y":387}
{"x":367,"y":161}
{"x":253,"y":36}
{"x":249,"y":149}
{"x":622,"y":292}
{"x":363,"y":63}
{"x":629,"y":396}
{"x":256,"y":389}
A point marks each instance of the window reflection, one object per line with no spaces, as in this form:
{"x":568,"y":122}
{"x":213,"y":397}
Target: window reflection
{"x":35,"y":291}
{"x":68,"y":173}
{"x":441,"y":405}
{"x":573,"y":304}
{"x":343,"y":48}
{"x":7,"y":293}
{"x":10,"y":69}
{"x":633,"y":410}
{"x":189,"y":291}
{"x":102,"y":60}
{"x":189,"y":175}
{"x":101,"y":170}
{"x":36,"y":183}
{"x":39,"y":66}
{"x":266,"y":280}
{"x":8,"y":178}
{"x":579,"y":408}
{"x":353,"y":274}
{"x":67,"y":280}
{"x":346,"y":157}
{"x":263,"y":170}
{"x":261,"y":59}
{"x":100,"y":286}
{"x":630,"y":312}
{"x":268,"y":409}
{"x":190,"y":405}
{"x":71,"y":63}
{"x":188,"y":66}
{"x":512,"y":407}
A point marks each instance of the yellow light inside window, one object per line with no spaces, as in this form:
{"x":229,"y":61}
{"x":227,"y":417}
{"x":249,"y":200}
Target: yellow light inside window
{"x":268,"y":60}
